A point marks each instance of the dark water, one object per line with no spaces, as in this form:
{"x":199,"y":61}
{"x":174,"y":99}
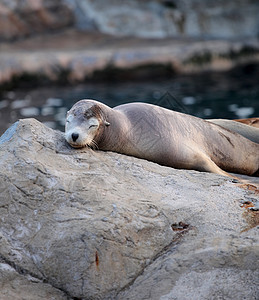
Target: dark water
{"x":214,"y":95}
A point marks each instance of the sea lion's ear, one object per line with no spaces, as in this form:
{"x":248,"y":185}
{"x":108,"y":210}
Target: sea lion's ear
{"x":107,"y":123}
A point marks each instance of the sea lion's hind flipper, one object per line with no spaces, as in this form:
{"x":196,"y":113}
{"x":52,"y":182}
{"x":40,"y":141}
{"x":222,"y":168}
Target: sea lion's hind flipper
{"x":203,"y":163}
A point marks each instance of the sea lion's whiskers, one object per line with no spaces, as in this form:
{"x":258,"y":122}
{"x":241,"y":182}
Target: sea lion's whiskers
{"x":94,"y":145}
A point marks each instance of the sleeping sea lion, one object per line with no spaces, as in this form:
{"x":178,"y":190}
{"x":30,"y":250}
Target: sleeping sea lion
{"x":162,"y":136}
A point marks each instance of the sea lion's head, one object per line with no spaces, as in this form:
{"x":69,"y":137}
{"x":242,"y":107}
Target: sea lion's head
{"x":83,"y":123}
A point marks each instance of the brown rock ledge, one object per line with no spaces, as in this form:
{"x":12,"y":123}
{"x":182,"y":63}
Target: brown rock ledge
{"x":76,"y":56}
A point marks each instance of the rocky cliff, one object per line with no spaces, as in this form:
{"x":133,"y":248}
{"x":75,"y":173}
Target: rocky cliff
{"x":95,"y":225}
{"x":72,"y":41}
{"x":148,"y":19}
{"x":169,"y":18}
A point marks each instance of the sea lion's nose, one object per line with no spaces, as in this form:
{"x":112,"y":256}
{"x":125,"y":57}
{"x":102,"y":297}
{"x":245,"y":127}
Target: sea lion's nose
{"x":75,"y":136}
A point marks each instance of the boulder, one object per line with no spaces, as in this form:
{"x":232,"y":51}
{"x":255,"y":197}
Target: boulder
{"x":89,"y":224}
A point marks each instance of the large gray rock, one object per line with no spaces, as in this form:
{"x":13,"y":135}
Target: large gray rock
{"x":96,"y":225}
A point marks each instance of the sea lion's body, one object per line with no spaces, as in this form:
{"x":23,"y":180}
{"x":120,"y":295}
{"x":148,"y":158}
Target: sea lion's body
{"x":248,"y":131}
{"x":163,"y":136}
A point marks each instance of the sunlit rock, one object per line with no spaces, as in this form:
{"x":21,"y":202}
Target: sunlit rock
{"x":99,"y":225}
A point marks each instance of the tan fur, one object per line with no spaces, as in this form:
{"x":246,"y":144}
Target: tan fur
{"x":249,"y":132}
{"x":163,"y":136}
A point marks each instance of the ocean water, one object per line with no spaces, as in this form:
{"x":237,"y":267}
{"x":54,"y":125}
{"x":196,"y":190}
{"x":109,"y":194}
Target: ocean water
{"x":229,"y":95}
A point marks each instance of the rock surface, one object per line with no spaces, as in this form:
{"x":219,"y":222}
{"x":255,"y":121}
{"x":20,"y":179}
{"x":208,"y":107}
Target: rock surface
{"x":15,"y":286}
{"x":96,"y":225}
{"x":19,"y":19}
{"x":75,"y":57}
{"x":146,"y":19}
{"x":169,"y":18}
{"x":164,"y":36}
